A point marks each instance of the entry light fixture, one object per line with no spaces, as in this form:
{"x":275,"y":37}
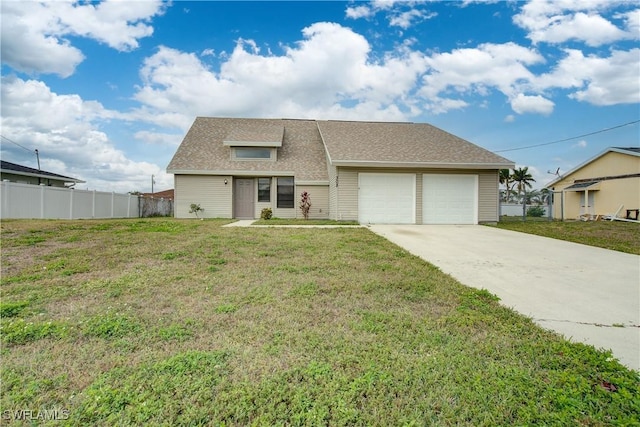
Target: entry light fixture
{"x":225,"y":181}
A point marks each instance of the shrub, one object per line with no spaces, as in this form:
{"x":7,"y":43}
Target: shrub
{"x":305,"y":204}
{"x":195,"y":209}
{"x":266,"y":213}
{"x":535,"y":211}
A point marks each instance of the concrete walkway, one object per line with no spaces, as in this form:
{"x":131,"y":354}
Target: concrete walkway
{"x":588,"y":294}
{"x":249,"y":223}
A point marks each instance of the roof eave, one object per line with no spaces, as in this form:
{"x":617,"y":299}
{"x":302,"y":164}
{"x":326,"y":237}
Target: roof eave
{"x":37,"y":175}
{"x":262,"y":144}
{"x":429,"y":165}
{"x":230,"y":172}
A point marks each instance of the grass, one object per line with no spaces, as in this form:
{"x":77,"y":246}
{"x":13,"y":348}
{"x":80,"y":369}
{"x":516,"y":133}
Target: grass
{"x":299,"y":221}
{"x":616,"y":235}
{"x":174,"y":322}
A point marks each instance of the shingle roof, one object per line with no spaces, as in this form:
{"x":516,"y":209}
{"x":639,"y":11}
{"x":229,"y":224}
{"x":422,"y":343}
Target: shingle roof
{"x":409,"y":143}
{"x":205,"y":148}
{"x":27,"y":171}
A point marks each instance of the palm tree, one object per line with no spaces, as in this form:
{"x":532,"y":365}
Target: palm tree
{"x":506,"y":179}
{"x":524,"y":180}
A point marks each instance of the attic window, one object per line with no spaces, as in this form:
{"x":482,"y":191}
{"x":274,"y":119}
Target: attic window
{"x":252,"y":153}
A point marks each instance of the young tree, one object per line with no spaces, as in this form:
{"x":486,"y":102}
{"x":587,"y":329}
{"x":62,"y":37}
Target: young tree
{"x":506,"y":179}
{"x":305,"y":204}
{"x":523,"y":178}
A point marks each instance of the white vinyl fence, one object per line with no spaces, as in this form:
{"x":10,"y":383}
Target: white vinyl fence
{"x":39,"y":201}
{"x":516,"y":209}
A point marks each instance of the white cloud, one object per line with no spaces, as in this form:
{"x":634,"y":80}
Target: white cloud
{"x":599,"y":80}
{"x":401,"y":14}
{"x":510,"y":118}
{"x":404,"y":20}
{"x":158,"y":138}
{"x":522,"y":104}
{"x":560,"y":21}
{"x":477,"y":70}
{"x":580,"y":144}
{"x":439,"y":105}
{"x":35,"y":35}
{"x":70,"y":142}
{"x":315,"y":77}
{"x":362,"y":11}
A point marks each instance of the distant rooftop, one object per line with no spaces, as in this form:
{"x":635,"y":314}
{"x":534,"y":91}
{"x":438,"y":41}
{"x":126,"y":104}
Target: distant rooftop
{"x":27,"y":171}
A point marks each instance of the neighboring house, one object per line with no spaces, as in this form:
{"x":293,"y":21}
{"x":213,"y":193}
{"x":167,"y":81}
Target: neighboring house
{"x":372,"y":172}
{"x":166,"y":194}
{"x":25,"y":175}
{"x":599,"y":186}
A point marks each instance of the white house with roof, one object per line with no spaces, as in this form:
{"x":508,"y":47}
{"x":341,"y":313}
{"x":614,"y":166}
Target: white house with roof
{"x":372,"y":172}
{"x":14,"y":172}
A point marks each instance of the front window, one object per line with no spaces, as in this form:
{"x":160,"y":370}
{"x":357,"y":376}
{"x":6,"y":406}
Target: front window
{"x":248,"y":153}
{"x":285,"y":192}
{"x":264,"y":189}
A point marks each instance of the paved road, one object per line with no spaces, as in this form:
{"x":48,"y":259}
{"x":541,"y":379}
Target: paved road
{"x":582,"y":292}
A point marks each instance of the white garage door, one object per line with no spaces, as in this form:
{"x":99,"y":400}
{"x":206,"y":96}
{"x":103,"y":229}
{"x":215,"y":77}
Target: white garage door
{"x":386,"y":198}
{"x":449,"y":199}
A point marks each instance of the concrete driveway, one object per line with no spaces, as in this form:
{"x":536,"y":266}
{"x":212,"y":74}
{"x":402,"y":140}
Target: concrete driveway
{"x":588,"y":294}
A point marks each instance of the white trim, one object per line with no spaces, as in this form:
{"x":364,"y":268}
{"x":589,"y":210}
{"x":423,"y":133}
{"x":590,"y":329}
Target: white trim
{"x":265,"y":144}
{"x":227,"y":172}
{"x":319,"y":183}
{"x":434,"y":165}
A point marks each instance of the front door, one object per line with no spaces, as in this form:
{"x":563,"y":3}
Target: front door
{"x":243,"y":198}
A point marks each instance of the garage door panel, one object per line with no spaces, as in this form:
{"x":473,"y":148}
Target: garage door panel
{"x":386,"y":198}
{"x":449,"y":199}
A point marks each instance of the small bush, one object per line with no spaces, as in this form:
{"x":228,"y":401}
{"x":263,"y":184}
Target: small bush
{"x":195,"y":208}
{"x":12,"y":309}
{"x":110,"y":325}
{"x":16,"y":332}
{"x":535,"y":211}
{"x":266,"y":213}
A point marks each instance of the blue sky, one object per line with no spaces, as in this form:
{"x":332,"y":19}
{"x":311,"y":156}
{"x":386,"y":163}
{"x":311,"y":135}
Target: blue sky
{"x":106,"y":90}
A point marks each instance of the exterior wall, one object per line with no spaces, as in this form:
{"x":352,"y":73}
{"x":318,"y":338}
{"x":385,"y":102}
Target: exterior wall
{"x":347,"y":200}
{"x":216,"y":198}
{"x":611,"y":193}
{"x":347,"y":191}
{"x":21,"y":179}
{"x":606,"y":200}
{"x":209,"y":191}
{"x":488,"y":196}
{"x":319,"y":195}
{"x":333,"y":193}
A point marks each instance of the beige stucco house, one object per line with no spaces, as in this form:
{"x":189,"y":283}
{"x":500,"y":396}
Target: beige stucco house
{"x":372,"y":172}
{"x":14,"y":172}
{"x":599,"y":186}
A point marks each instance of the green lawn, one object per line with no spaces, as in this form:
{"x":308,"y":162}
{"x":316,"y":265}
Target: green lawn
{"x":284,"y":221}
{"x":169,"y":322}
{"x":617,"y":235}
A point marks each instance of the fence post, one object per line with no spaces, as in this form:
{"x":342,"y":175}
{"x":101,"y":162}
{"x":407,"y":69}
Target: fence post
{"x":42,"y":187}
{"x":5,"y":190}
{"x":71,"y":204}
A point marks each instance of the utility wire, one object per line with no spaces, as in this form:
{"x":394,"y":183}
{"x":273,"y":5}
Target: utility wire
{"x":13,"y":142}
{"x":568,"y":139}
